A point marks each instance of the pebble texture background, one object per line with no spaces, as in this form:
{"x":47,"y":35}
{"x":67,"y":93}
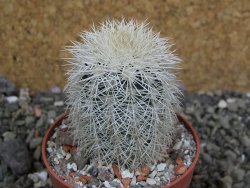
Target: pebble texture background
{"x":212,"y":37}
{"x":221,"y":119}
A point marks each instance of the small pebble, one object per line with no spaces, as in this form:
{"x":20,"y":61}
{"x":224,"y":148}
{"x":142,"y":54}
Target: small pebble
{"x":180,"y":169}
{"x":58,"y":103}
{"x":127,"y":174}
{"x":56,"y":161}
{"x":161,"y":167}
{"x":153,"y":174}
{"x":43,"y":175}
{"x":68,"y":156}
{"x":107,"y":185}
{"x":150,"y":181}
{"x":222,"y":104}
{"x":12,"y":99}
{"x":178,"y":145}
{"x":50,"y":150}
{"x":8,"y":136}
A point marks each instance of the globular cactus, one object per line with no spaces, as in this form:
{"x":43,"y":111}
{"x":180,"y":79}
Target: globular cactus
{"x":122,"y":93}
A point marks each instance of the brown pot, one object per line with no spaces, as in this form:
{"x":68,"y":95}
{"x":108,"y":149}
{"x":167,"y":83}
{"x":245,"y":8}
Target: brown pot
{"x":184,"y":180}
{"x":181,"y":182}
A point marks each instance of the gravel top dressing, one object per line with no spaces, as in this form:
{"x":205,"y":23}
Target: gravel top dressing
{"x":222,"y":120}
{"x":64,"y":159}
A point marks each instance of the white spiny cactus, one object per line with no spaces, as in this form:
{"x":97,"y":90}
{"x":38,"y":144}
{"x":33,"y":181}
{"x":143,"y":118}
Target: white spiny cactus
{"x":122,"y":93}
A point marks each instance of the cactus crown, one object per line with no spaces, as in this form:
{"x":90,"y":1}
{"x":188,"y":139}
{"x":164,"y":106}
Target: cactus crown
{"x":122,"y":93}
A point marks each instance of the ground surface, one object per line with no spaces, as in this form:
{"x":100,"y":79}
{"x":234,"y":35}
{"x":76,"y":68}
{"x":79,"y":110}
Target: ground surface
{"x":221,"y":118}
{"x":212,"y":37}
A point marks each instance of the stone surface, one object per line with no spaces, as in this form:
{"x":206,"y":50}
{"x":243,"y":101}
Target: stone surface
{"x":35,"y":142}
{"x":127,"y":174}
{"x":104,"y":174}
{"x":222,"y":104}
{"x":161,"y":167}
{"x":9,"y":136}
{"x":93,"y":171}
{"x":224,"y":148}
{"x":6,"y":86}
{"x":150,"y":181}
{"x":226,"y":182}
{"x":12,"y":99}
{"x":15,"y":154}
{"x":238,"y":174}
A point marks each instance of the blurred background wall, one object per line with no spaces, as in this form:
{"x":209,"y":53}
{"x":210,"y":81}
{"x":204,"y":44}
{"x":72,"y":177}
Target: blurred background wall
{"x":211,"y":36}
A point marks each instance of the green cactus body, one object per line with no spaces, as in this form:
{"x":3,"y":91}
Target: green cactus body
{"x":122,"y":94}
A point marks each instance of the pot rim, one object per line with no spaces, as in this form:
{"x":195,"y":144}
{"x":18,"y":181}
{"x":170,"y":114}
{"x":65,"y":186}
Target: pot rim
{"x":46,"y":137}
{"x":197,"y":154}
{"x":62,"y":116}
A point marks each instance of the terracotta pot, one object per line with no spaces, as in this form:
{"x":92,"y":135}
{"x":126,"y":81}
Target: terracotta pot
{"x":181,"y":182}
{"x":185,"y":179}
{"x":56,"y":181}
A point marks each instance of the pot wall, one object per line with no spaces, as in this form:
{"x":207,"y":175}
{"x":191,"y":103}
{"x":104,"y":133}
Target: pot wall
{"x":182,"y":182}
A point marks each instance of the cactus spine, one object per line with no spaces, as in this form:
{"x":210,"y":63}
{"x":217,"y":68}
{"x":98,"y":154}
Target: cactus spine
{"x":122,"y":93}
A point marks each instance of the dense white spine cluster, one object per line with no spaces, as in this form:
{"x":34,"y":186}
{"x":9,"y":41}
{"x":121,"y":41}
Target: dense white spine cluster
{"x":122,"y":93}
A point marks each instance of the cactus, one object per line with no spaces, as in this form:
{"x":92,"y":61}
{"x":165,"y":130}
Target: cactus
{"x":122,"y":93}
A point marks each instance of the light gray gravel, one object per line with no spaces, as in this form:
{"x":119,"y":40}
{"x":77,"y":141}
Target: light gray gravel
{"x":224,"y":131}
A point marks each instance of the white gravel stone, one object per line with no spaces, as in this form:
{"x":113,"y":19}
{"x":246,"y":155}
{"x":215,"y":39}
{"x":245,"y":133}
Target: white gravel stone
{"x":117,"y":181}
{"x":62,"y":151}
{"x":88,"y":167}
{"x":33,"y":177}
{"x":127,"y":174}
{"x":171,"y":167}
{"x":50,"y":150}
{"x":133,"y":182}
{"x":188,"y":161}
{"x":63,"y":126}
{"x":72,"y":166}
{"x":153,"y":174}
{"x":54,"y":135}
{"x":68,"y":166}
{"x":137,"y":173}
{"x":107,"y":185}
{"x":12,"y":99}
{"x":159,"y":174}
{"x":79,"y":185}
{"x":39,"y":177}
{"x":178,"y":145}
{"x":56,"y":161}
{"x":152,"y":167}
{"x":51,"y":144}
{"x":150,"y":181}
{"x":161,"y":167}
{"x":8,"y":135}
{"x":231,"y":100}
{"x":43,"y":175}
{"x":222,"y":104}
{"x":242,"y":158}
{"x":56,"y":89}
{"x":157,"y":179}
{"x":83,"y":172}
{"x":68,"y":155}
{"x":167,"y":176}
{"x":58,"y":103}
{"x":143,"y":183}
{"x":59,"y":156}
